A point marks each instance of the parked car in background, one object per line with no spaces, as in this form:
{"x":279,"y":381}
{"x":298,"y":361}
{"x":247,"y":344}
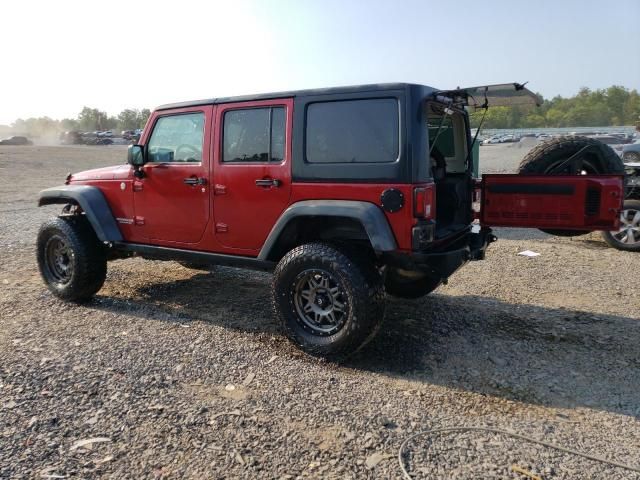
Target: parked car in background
{"x":492,"y":140}
{"x":609,"y":139}
{"x":631,"y":152}
{"x":71,"y":137}
{"x":135,"y":136}
{"x":628,"y":236}
{"x":16,"y":141}
{"x":624,"y":137}
{"x":127,"y":134}
{"x":509,"y":138}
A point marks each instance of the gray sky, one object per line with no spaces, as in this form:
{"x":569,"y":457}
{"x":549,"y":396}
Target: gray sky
{"x":57,"y":56}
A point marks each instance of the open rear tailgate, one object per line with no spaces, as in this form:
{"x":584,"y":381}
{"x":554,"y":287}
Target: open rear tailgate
{"x":572,"y":202}
{"x":500,"y":95}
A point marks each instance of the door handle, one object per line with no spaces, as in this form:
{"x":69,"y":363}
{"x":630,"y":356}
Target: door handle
{"x":195,"y":181}
{"x":268,"y":182}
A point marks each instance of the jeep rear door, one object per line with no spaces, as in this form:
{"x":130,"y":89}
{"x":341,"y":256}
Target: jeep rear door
{"x":564,"y":202}
{"x":252,"y":171}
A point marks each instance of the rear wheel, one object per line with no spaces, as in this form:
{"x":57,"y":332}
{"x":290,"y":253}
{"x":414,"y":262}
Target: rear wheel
{"x":71,"y":259}
{"x":329,"y":304}
{"x":588,"y":157}
{"x":628,"y":237}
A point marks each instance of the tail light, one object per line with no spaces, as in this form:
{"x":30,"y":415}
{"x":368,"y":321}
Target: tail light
{"x":424,"y":202}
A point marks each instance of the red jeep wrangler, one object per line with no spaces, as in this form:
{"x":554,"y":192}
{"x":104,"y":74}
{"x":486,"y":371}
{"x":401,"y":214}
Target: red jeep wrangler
{"x":343,"y":193}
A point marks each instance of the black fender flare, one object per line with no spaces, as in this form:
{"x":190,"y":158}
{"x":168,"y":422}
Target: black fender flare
{"x":92,"y":202}
{"x":369,"y":215}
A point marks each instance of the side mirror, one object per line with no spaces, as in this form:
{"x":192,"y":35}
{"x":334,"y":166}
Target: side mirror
{"x":135,"y":156}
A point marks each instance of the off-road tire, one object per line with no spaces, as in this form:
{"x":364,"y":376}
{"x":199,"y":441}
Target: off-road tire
{"x":631,"y":157}
{"x":400,"y":287}
{"x":615,"y":243}
{"x":87,"y":268}
{"x":546,"y":156}
{"x":363,"y":294}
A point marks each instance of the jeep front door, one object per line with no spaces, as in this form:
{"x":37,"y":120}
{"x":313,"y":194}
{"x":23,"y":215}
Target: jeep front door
{"x":172,"y":198}
{"x":252,"y":171}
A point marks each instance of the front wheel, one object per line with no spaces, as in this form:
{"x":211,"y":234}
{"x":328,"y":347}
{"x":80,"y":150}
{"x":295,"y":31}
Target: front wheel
{"x":71,"y":259}
{"x":628,"y":237}
{"x":329,"y":304}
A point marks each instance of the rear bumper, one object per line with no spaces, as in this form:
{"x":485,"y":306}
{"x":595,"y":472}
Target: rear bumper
{"x":444,"y":263}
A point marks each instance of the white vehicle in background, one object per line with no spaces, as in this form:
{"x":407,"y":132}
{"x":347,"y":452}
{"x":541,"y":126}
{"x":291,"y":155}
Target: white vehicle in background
{"x":492,"y":140}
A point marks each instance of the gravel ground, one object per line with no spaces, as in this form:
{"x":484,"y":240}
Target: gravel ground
{"x":176,"y":373}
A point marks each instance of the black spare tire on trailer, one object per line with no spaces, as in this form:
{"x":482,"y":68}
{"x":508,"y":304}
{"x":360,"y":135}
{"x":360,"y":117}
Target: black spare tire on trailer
{"x":571,"y":155}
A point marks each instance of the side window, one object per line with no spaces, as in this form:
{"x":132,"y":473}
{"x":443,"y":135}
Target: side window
{"x":353,"y":131}
{"x":277,"y":134}
{"x":177,"y":138}
{"x":254,"y":135}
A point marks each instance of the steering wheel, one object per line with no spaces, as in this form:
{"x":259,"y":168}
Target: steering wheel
{"x":190,"y":149}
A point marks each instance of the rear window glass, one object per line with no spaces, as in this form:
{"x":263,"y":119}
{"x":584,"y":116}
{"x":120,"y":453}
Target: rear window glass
{"x":254,"y":135}
{"x":354,"y":131}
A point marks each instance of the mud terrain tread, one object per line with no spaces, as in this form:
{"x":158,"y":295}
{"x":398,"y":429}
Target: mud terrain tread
{"x":90,"y":259}
{"x":365,"y":290}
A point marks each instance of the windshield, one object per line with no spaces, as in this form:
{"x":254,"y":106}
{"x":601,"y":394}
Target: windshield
{"x":447,"y":137}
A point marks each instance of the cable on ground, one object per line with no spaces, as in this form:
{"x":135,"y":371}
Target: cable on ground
{"x":526,"y":438}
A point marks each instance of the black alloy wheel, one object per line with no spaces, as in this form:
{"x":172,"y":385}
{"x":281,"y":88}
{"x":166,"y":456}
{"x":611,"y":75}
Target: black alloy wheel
{"x":329,"y":299}
{"x":320,"y":301}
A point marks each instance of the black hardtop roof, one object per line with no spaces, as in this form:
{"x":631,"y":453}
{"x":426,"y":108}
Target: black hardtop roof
{"x":297,"y":93}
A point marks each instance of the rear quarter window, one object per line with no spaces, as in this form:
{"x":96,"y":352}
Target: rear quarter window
{"x":353,"y":131}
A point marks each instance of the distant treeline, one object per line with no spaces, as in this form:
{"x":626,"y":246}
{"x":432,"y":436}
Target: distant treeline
{"x":613,"y":106}
{"x":88,"y":120}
